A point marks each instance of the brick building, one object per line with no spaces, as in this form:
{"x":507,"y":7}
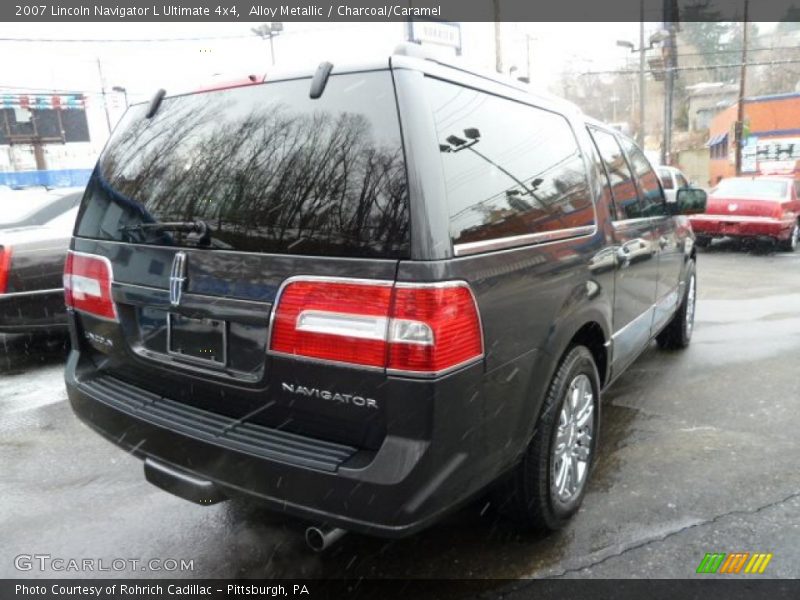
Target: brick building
{"x":772,"y":130}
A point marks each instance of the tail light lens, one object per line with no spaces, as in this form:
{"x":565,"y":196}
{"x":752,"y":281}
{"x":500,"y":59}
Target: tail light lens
{"x":422,"y":329}
{"x":5,"y":267}
{"x":342,"y":322}
{"x":87,"y":285}
{"x":433,"y":328}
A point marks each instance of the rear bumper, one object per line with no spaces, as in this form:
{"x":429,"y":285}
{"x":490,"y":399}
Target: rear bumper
{"x":397,"y":490}
{"x":737,"y":226}
{"x":38,"y":310}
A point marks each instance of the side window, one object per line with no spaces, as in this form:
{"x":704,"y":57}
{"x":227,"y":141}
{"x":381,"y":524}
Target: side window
{"x":682,"y":183}
{"x":607,"y":198}
{"x":666,"y":179}
{"x":510,"y":169}
{"x":623,"y":188}
{"x":653,"y":203}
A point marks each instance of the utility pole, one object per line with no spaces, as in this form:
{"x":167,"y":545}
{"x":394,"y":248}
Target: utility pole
{"x":670,"y":62}
{"x":498,"y":34}
{"x":103,"y":92}
{"x":739,"y":126}
{"x":640,"y":131}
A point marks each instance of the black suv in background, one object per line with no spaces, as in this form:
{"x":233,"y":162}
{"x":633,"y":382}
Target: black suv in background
{"x":362,"y":295}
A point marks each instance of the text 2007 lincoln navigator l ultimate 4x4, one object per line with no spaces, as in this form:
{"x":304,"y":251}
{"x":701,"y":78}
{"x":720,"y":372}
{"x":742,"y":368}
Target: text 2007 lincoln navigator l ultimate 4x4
{"x":364,"y":294}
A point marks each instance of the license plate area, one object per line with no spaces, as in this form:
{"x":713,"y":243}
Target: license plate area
{"x":203,"y":341}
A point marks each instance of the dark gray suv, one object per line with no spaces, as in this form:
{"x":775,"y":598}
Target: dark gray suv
{"x":365,"y":294}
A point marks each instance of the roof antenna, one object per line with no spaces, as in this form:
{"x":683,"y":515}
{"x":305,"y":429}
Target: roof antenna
{"x":155,"y":103}
{"x":320,"y":80}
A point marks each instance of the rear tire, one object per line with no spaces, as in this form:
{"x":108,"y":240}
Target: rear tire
{"x":790,"y":245}
{"x":678,"y":333}
{"x":547,"y":487}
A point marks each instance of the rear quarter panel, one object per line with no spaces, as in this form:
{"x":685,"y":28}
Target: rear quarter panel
{"x":532,"y":299}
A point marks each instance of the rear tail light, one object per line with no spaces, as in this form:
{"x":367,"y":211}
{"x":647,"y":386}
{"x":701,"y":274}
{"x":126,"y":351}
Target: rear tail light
{"x":433,"y":328}
{"x":405,"y":328}
{"x":87,"y":284}
{"x":5,"y":267}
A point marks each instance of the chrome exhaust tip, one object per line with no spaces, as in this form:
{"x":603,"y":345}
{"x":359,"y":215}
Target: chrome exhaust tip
{"x":321,"y":537}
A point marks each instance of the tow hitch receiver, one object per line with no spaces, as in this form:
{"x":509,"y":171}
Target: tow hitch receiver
{"x":181,"y":484}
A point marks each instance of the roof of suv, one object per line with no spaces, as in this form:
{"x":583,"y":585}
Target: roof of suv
{"x":412,"y":56}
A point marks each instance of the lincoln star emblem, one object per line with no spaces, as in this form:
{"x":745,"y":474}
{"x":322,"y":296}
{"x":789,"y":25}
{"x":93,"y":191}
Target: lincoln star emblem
{"x":177,"y":277}
{"x":732,"y":207}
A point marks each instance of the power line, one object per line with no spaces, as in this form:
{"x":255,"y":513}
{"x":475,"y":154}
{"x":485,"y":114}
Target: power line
{"x":25,"y":88}
{"x":736,"y":51}
{"x":125,"y":40}
{"x":697,"y":67}
{"x":250,"y":36}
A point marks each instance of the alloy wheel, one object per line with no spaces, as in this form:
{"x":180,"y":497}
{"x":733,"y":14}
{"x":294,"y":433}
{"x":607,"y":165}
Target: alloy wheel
{"x":573,"y":444}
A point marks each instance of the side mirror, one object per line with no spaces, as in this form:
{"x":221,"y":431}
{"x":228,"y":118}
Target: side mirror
{"x":690,"y":201}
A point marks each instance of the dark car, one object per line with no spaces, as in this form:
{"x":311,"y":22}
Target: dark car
{"x":752,"y":208}
{"x":33,"y":248}
{"x":364,"y":296}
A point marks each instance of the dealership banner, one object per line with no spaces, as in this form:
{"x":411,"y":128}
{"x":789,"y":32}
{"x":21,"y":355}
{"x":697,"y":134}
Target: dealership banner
{"x":41,"y":102}
{"x":394,"y":10}
{"x":729,"y":587}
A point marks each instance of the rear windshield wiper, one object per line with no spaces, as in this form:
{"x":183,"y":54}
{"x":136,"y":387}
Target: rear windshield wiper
{"x":198,"y":227}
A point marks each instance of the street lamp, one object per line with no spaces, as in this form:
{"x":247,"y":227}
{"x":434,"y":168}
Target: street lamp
{"x":121,"y":90}
{"x":656,"y":38}
{"x":269,"y":31}
{"x":473,"y":134}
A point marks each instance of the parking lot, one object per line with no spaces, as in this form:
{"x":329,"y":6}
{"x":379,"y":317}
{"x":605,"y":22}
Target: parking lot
{"x":698,"y":454}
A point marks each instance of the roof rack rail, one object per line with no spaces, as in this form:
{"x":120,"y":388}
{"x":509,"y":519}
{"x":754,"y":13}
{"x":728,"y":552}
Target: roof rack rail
{"x":414,"y":50}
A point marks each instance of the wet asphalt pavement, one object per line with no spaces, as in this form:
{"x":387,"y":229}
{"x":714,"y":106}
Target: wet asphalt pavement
{"x":698,"y":454}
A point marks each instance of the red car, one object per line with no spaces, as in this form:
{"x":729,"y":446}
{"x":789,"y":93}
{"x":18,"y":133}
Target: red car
{"x":751,"y":207}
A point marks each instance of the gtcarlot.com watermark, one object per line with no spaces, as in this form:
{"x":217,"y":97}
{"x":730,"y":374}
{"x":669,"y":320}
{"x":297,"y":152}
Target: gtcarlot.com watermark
{"x":45,"y":563}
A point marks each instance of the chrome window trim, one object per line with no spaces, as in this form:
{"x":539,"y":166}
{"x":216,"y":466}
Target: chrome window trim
{"x":528,"y":239}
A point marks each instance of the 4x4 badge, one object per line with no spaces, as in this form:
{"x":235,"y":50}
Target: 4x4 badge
{"x":177,"y":277}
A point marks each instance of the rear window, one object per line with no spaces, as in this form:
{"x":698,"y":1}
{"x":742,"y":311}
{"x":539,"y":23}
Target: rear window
{"x":266,"y":168}
{"x":752,"y":189}
{"x":510,"y":169}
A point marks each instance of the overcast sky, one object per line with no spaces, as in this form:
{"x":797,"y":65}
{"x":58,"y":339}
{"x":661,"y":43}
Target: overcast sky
{"x":142,"y":67}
